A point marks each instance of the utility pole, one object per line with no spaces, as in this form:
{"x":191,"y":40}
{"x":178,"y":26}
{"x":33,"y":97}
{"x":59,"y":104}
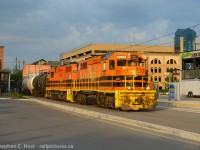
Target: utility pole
{"x":23,"y":63}
{"x":16,"y":65}
{"x":19,"y":65}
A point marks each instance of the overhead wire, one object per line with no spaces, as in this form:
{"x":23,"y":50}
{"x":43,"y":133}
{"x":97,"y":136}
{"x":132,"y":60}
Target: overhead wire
{"x":158,"y":38}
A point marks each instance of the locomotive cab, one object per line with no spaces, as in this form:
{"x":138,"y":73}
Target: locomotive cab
{"x":128,"y":71}
{"x":124,"y":75}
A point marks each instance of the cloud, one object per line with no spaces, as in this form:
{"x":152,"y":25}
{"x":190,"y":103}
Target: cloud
{"x":44,"y":29}
{"x":106,"y":26}
{"x":88,"y":30}
{"x":136,"y":35}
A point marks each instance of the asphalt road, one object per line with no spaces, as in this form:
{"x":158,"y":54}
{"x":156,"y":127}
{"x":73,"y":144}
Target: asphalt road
{"x":185,"y":119}
{"x":28,"y":125}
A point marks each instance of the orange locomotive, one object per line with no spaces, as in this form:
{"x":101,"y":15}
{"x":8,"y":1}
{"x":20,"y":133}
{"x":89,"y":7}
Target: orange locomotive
{"x":118,"y":80}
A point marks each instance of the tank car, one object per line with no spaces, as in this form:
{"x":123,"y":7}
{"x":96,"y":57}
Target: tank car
{"x":39,"y":84}
{"x":27,"y":85}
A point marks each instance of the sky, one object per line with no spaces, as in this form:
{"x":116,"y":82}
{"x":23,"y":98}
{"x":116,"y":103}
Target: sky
{"x":43,"y":29}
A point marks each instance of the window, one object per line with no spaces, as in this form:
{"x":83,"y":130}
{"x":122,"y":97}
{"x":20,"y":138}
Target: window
{"x":156,"y":61}
{"x":156,"y":70}
{"x":142,"y":63}
{"x":111,"y":64}
{"x":52,"y":74}
{"x":121,"y":63}
{"x":132,"y":63}
{"x":159,"y":79}
{"x":159,"y":70}
{"x":171,"y":61}
{"x":152,"y":70}
{"x":104,"y":66}
{"x":78,"y":65}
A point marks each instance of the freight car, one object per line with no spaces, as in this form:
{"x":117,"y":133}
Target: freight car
{"x":34,"y":85}
{"x":27,"y":85}
{"x":39,"y":84}
{"x":117,"y":79}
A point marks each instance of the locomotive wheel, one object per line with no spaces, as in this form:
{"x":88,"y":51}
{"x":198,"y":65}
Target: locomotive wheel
{"x":109,"y":102}
{"x":75,"y":96}
{"x":100,"y":99}
{"x":50,"y":94}
{"x":105,"y":100}
{"x":82,"y":99}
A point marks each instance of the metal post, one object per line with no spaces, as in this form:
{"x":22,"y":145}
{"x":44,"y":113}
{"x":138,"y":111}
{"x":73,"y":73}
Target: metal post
{"x":169,"y":86}
{"x":9,"y":82}
{"x":180,"y":65}
{"x":180,"y":71}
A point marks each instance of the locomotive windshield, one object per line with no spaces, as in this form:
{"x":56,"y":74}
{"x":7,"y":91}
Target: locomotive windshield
{"x":121,"y":63}
{"x":130,"y":63}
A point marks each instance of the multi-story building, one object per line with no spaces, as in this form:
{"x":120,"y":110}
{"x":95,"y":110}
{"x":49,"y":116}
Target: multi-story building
{"x":4,"y":84}
{"x":1,"y":57}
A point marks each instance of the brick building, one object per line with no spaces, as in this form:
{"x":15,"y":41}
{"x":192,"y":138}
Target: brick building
{"x":4,"y":84}
{"x":1,"y":57}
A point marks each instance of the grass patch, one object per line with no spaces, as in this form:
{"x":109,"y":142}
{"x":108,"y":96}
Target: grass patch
{"x":17,"y":96}
{"x":13,"y":95}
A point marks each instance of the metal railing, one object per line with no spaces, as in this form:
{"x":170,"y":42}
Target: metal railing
{"x":191,"y":74}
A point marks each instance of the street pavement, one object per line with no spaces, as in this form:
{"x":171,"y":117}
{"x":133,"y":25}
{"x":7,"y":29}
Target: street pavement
{"x":180,"y":122}
{"x":25,"y":124}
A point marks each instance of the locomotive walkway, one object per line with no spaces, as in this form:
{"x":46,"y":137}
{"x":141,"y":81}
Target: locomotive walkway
{"x":184,"y":124}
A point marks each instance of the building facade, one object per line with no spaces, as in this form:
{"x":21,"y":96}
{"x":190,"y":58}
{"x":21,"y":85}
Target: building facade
{"x":4,"y":84}
{"x":189,"y":37}
{"x":160,"y":59}
{"x":1,"y":57}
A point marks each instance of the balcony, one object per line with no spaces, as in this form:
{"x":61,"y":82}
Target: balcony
{"x":191,"y":74}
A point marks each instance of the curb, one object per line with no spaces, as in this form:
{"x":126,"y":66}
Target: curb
{"x":150,"y":126}
{"x":180,"y":104}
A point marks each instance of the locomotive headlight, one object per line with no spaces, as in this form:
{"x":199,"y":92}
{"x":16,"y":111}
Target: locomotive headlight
{"x":148,"y":88}
{"x":129,"y":88}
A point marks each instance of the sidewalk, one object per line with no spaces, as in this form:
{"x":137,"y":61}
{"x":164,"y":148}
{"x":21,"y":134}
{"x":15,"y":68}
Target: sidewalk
{"x":185,"y":102}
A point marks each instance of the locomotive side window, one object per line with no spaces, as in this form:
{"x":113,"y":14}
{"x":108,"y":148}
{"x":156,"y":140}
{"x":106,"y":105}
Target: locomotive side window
{"x":111,"y":64}
{"x":79,"y":66}
{"x":52,"y":74}
{"x":141,"y":63}
{"x":104,"y":66}
{"x":121,"y":63}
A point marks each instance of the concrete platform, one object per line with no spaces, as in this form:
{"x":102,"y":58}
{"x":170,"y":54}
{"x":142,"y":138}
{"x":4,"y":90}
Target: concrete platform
{"x":192,"y":103}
